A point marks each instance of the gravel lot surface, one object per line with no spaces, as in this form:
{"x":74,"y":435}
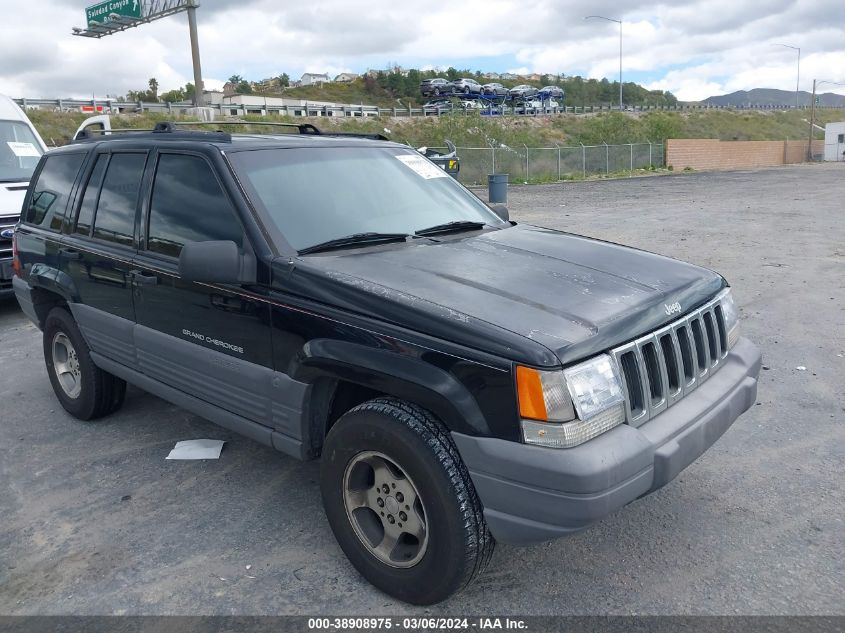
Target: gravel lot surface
{"x":93,"y":520}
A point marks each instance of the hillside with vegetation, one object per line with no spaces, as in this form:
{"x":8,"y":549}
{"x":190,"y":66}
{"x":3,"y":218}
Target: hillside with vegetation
{"x":389,"y":88}
{"x":400,"y":88}
{"x":474,"y":130}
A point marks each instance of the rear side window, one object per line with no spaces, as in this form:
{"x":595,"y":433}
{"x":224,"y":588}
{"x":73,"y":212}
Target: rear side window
{"x":51,"y":191}
{"x":89,"y":198}
{"x":115,"y":218}
{"x":188,"y":205}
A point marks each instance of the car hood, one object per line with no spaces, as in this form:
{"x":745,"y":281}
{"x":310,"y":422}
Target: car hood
{"x":571,"y":295}
{"x":11,"y":198}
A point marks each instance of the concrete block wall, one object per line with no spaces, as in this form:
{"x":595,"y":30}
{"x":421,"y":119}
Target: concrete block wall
{"x":708,"y":154}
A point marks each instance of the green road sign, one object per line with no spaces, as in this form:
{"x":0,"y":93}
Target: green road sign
{"x":100,"y":12}
{"x":818,"y":100}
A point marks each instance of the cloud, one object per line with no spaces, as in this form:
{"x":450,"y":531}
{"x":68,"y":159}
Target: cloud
{"x":691,"y":47}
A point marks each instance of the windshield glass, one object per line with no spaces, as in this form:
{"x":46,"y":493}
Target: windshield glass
{"x":319,"y":194}
{"x":19,"y":151}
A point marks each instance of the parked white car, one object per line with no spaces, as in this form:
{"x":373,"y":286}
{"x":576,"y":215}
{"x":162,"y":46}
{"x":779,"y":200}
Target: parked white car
{"x":21,"y":148}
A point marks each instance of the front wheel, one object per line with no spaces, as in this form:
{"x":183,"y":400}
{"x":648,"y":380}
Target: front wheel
{"x":401,"y":503}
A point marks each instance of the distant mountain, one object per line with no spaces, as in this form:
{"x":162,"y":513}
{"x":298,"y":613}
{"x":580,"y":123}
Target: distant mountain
{"x":773,"y":97}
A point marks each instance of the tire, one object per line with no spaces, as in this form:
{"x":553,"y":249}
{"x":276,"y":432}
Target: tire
{"x":83,"y":389}
{"x":466,"y":90}
{"x":400,"y":444}
{"x":437,"y":92}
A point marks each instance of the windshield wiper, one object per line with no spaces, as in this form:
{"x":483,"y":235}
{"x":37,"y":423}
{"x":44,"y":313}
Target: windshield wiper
{"x":448,"y":227}
{"x":354,"y":240}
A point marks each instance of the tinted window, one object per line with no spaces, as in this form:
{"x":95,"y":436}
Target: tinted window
{"x":89,"y":198}
{"x":50,"y":193}
{"x":188,"y":205}
{"x":115,"y":219}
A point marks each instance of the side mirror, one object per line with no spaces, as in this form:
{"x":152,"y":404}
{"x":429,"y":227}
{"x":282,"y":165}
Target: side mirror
{"x":216,"y":262}
{"x":501,"y":210}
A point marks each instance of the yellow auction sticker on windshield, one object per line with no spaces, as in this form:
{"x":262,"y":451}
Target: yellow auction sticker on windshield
{"x":23,"y":149}
{"x":422,"y":167}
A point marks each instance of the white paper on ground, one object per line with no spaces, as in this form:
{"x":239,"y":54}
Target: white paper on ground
{"x":196,"y":449}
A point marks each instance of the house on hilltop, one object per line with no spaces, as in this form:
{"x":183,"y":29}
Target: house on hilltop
{"x":314,"y":79}
{"x":346,"y":77}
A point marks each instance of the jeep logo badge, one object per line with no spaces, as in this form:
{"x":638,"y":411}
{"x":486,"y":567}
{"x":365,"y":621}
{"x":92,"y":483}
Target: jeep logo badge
{"x":672,"y":308}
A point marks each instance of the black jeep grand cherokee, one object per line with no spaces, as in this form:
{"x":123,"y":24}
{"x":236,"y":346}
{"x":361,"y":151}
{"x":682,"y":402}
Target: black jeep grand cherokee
{"x":465,"y":379}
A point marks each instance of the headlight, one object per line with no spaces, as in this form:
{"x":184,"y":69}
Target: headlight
{"x":731,"y":316}
{"x":562,"y":409}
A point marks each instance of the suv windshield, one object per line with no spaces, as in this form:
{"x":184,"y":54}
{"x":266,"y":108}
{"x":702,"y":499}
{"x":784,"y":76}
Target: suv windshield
{"x":319,"y":194}
{"x":19,"y":151}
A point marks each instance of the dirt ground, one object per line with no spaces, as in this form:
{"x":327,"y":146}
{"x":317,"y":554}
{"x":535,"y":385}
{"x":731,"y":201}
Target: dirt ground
{"x":93,"y":520}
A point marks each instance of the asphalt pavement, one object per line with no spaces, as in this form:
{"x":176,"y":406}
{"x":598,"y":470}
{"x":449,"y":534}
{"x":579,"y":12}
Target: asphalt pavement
{"x":93,"y":520}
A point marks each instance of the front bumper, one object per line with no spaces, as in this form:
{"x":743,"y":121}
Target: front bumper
{"x":532,"y":494}
{"x":6,"y":274}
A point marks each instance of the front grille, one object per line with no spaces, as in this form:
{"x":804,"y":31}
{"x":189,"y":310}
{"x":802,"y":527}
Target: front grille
{"x":662,"y":367}
{"x":6,"y":243}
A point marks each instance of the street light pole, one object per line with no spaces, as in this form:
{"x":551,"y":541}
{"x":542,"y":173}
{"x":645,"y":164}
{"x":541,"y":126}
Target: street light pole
{"x":798,"y":79}
{"x":619,"y":22}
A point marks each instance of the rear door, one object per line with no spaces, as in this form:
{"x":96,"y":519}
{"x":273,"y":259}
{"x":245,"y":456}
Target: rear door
{"x":97,"y":253}
{"x":211,"y":341}
{"x":39,"y":238}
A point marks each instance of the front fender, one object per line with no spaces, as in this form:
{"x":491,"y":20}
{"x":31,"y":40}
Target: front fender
{"x":398,"y":374}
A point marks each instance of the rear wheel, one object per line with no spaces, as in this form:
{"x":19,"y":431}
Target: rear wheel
{"x":437,"y":92}
{"x":83,"y":389}
{"x":400,"y":502}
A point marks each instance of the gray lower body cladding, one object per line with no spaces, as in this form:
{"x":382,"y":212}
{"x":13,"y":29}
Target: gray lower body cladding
{"x":532,"y":494}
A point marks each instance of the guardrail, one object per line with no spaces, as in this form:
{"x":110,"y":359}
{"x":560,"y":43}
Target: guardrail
{"x":95,"y":106}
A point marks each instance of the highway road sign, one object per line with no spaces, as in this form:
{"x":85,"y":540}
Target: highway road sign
{"x":100,"y":12}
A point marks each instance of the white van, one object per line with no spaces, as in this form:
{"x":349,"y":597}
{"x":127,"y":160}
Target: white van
{"x":20,"y":149}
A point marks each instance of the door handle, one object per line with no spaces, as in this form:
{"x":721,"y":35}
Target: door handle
{"x":69,"y":253}
{"x":140,"y":279}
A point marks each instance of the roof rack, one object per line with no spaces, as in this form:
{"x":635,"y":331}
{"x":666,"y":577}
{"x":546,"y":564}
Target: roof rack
{"x":219,"y":136}
{"x":304,"y":128}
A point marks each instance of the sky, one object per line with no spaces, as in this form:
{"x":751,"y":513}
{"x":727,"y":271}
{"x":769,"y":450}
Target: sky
{"x":693,"y":48}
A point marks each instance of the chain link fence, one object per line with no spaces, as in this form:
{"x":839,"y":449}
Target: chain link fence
{"x":540,"y":164}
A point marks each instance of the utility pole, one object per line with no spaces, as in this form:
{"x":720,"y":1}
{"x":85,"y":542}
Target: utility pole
{"x":812,"y":122}
{"x":195,"y":53}
{"x":816,"y":82}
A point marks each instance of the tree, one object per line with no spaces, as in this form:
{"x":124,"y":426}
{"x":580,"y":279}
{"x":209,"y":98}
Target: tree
{"x":189,"y":91}
{"x":173,"y":96}
{"x":243,"y":87}
{"x":148,"y":96}
{"x":235,"y":79}
{"x":284,"y":80}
